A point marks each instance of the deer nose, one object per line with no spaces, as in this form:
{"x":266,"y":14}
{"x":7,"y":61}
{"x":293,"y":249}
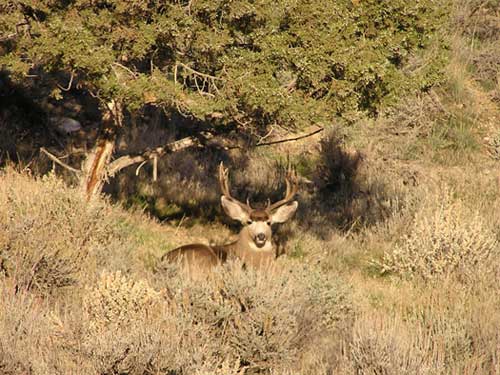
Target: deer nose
{"x":261,"y":236}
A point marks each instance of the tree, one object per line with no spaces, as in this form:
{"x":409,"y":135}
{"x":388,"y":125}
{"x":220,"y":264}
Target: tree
{"x":244,"y":63}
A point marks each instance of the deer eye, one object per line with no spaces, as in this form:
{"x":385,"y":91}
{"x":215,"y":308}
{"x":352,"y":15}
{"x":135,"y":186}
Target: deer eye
{"x":249,"y":222}
{"x":268,"y":222}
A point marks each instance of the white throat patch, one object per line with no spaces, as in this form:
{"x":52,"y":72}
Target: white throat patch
{"x":268,"y":246}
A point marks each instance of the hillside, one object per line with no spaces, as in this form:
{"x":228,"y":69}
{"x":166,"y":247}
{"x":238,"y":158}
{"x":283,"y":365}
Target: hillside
{"x":390,"y":266}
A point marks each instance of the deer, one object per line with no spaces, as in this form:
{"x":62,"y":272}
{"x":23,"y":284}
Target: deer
{"x":254,"y":246}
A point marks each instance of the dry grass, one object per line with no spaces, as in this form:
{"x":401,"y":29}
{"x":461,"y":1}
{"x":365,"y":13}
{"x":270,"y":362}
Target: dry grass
{"x":47,"y":231}
{"x":114,"y":320}
{"x":446,"y":239}
{"x":83,"y":293}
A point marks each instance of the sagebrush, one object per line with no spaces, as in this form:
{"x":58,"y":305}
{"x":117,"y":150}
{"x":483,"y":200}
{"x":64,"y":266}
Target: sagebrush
{"x":446,"y":239}
{"x":47,"y":231}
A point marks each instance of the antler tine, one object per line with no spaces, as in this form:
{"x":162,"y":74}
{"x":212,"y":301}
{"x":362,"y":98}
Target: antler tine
{"x":223,"y":177}
{"x":292,"y":186}
{"x":224,"y":186}
{"x":291,"y":175}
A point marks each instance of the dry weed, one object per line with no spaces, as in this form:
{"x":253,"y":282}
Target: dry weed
{"x":47,"y":230}
{"x":33,"y":339}
{"x":264,"y":319}
{"x":446,"y":239}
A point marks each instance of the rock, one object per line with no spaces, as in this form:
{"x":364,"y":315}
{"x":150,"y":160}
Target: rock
{"x":66,"y":125}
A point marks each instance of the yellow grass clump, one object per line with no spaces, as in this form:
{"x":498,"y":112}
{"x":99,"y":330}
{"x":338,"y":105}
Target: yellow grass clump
{"x":446,"y":239}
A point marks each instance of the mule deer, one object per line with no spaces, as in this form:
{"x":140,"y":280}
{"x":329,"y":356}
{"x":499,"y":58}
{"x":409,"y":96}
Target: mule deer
{"x":254,"y":245}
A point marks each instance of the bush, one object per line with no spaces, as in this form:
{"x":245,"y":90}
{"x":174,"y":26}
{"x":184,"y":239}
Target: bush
{"x":446,"y":239}
{"x":443,"y":330}
{"x":123,"y":329}
{"x":285,"y":62}
{"x":243,"y":320}
{"x":265,"y":319}
{"x":118,"y":301}
{"x":34,"y":339}
{"x":47,"y":230}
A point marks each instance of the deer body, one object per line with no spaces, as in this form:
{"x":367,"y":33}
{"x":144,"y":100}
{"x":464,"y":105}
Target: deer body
{"x":254,"y":245}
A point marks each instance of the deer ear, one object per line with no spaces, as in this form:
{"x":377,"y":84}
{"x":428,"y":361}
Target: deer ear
{"x":285,"y":212}
{"x":234,"y":210}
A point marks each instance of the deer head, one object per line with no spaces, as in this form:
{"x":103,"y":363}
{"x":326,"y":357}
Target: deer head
{"x":257,"y":222}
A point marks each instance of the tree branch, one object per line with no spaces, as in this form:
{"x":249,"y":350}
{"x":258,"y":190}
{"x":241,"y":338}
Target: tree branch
{"x":291,"y":139}
{"x":58,"y":161}
{"x":181,"y":144}
{"x":203,"y":75}
{"x":70,"y":82}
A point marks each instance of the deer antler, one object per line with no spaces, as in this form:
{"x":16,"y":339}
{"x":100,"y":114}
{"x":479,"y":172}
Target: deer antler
{"x":224,"y":186}
{"x":292,"y":186}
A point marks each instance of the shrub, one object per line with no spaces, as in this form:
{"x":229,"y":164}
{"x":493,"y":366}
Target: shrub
{"x":123,"y":329}
{"x":437,"y":344}
{"x":289,"y":62}
{"x":383,"y":346}
{"x":46,"y":231}
{"x":236,"y":322}
{"x":116,"y":300}
{"x":445,"y":330}
{"x":33,"y":337}
{"x":446,"y":239}
{"x":262,"y":320}
{"x":265,"y":319}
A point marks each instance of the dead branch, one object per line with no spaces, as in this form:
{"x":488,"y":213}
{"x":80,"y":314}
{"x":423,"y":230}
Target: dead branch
{"x":155,"y":168}
{"x":181,"y":144}
{"x":291,"y":139}
{"x":70,"y":82}
{"x":130,"y":71}
{"x":187,"y":142}
{"x":200,"y":74}
{"x":123,"y":162}
{"x":139,"y":167}
{"x":55,"y":159}
{"x":94,"y":167}
{"x":306,"y":134}
{"x":261,"y":140}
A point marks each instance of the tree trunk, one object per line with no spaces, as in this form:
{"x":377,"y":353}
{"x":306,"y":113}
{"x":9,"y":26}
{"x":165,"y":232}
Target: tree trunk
{"x":95,"y":166}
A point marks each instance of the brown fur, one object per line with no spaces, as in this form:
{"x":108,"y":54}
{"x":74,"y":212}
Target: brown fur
{"x":259,"y":215}
{"x":205,"y":256}
{"x":199,"y":256}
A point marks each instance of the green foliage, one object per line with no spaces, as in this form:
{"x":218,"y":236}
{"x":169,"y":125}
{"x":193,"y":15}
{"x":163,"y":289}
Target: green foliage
{"x":249,"y":62}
